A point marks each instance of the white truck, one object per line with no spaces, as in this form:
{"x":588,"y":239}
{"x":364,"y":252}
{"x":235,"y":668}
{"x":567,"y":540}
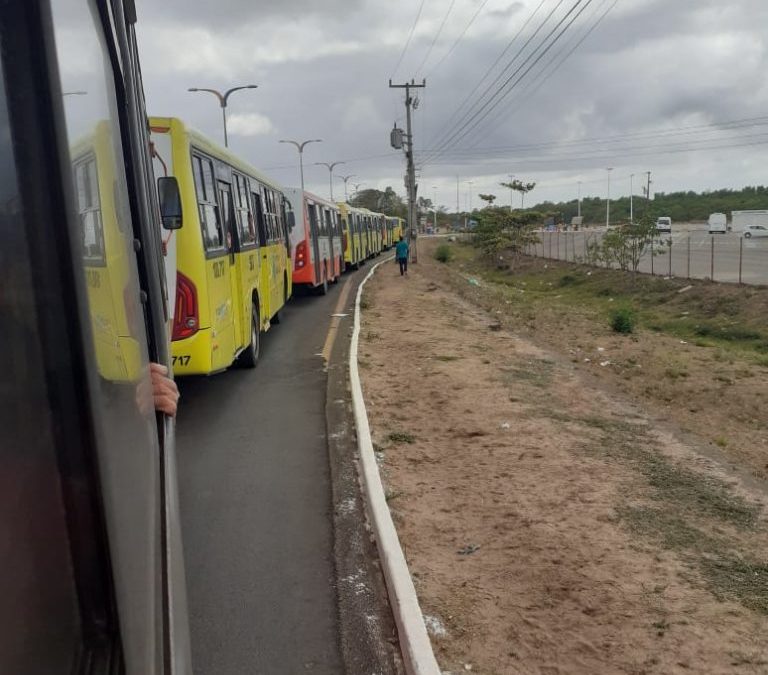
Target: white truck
{"x":664,"y":224}
{"x":718,"y":223}
{"x":741,"y":219}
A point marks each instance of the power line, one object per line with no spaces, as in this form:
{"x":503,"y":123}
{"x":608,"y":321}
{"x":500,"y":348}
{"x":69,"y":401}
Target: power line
{"x":408,"y":41}
{"x":749,"y":141}
{"x":469,"y":96}
{"x":647,"y":135}
{"x":526,"y":94}
{"x":458,"y":39}
{"x":437,"y":36}
{"x":501,"y":93}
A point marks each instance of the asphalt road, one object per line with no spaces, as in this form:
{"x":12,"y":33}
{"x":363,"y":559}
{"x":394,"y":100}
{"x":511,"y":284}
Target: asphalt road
{"x":255,"y":499}
{"x":694,"y":253}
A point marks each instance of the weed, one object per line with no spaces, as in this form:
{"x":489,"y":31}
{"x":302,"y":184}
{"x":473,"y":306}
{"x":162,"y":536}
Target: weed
{"x":401,"y":437}
{"x":721,"y":442}
{"x":623,"y":320}
{"x":391,"y":495}
{"x":371,"y":335}
{"x":675,"y":372}
{"x":738,"y":579}
{"x":568,"y":280}
{"x":446,"y":357}
{"x":444,"y":253}
{"x":365,"y":302}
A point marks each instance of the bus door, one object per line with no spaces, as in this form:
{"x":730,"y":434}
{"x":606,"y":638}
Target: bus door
{"x":259,"y":208}
{"x":234,"y":302}
{"x":248,"y":264}
{"x":314,"y":232}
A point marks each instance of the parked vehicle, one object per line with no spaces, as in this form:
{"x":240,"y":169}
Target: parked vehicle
{"x":663,"y":224}
{"x":718,"y":223}
{"x":755,"y":231}
{"x":741,"y":219}
{"x":233,"y":268}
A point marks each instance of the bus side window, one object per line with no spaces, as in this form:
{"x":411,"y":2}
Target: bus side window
{"x":89,"y":210}
{"x":210,"y":220}
{"x":258,"y":212}
{"x":246,"y":227}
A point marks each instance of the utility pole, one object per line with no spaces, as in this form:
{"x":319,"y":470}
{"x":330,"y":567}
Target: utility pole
{"x":457,"y":202}
{"x":632,"y":198}
{"x":470,"y":183}
{"x":434,"y":207}
{"x":608,"y":200}
{"x":648,"y":192}
{"x":411,"y":170}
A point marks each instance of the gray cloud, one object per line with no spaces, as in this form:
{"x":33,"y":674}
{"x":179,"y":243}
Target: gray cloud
{"x":322,"y":71}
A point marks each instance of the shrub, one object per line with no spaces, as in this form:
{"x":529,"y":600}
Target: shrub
{"x":623,"y":320}
{"x":444,"y":253}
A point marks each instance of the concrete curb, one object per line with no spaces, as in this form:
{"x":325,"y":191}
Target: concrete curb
{"x":415,"y":645}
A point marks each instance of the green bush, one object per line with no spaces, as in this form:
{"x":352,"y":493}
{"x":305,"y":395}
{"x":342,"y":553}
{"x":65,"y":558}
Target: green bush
{"x":444,"y":253}
{"x":623,"y":320}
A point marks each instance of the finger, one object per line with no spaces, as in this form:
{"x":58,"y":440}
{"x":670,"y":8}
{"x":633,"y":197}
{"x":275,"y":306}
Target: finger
{"x":158,"y":368}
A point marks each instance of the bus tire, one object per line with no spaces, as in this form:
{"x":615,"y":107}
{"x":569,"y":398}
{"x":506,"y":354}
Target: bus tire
{"x":249,"y":357}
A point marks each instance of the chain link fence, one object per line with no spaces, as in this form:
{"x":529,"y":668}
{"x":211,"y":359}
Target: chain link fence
{"x":729,"y":257}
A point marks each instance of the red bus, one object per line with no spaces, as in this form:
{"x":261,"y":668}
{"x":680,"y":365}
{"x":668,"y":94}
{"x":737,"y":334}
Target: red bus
{"x":316,"y":241}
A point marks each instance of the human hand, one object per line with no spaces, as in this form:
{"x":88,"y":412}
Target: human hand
{"x":165,"y":393}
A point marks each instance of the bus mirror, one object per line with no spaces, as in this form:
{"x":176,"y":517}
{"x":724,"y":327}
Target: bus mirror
{"x":170,"y":202}
{"x":291,"y":216}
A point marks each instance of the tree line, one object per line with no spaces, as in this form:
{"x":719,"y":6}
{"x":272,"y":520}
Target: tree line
{"x":680,"y":206}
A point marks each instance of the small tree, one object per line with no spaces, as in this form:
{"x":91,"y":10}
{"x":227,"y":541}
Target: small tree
{"x":488,"y":198}
{"x":522,"y":188}
{"x":626,"y":245}
{"x":499,"y":230}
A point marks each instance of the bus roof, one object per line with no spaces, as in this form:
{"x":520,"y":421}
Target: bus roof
{"x":201,"y":141}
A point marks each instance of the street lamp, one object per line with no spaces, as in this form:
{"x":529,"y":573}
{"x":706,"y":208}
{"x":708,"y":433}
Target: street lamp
{"x":330,"y":166}
{"x":345,"y":179}
{"x":223,"y":98}
{"x":357,"y":187}
{"x":300,"y":147}
{"x":608,"y":200}
{"x":470,"y":183}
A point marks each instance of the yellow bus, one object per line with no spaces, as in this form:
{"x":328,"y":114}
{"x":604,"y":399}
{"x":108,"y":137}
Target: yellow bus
{"x":232,"y":255}
{"x":106,"y":240}
{"x":353,"y":235}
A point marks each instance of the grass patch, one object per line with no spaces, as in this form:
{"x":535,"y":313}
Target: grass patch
{"x":365,"y":301}
{"x":737,"y":579}
{"x":623,"y":320}
{"x":537,"y":372}
{"x":444,"y":253}
{"x":401,"y":437}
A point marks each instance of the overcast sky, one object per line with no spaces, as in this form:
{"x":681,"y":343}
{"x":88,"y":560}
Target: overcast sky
{"x":670,"y":86}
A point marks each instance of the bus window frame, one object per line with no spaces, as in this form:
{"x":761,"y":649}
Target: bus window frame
{"x":213,"y":251}
{"x":240,"y":179}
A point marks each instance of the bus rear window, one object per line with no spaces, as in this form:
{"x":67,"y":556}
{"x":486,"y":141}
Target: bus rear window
{"x":89,"y":211}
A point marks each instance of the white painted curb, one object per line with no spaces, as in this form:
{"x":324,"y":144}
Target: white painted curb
{"x":414,"y":641}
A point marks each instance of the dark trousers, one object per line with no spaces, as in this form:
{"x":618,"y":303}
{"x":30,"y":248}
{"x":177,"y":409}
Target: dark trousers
{"x":403,"y":262}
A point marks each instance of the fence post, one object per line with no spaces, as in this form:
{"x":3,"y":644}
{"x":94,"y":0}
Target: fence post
{"x":670,"y":257}
{"x":550,"y":245}
{"x":558,"y":245}
{"x":653,"y":255}
{"x":741,"y":256}
{"x":689,"y":257}
{"x":712,"y":259}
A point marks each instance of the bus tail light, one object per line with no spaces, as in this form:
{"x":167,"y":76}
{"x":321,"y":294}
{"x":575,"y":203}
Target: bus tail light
{"x":301,"y":254}
{"x":186,"y":318}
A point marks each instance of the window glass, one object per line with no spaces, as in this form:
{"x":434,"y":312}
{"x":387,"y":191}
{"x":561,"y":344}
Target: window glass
{"x":210,"y":220}
{"x":120,"y":400}
{"x":258,"y":212}
{"x":246,"y":227}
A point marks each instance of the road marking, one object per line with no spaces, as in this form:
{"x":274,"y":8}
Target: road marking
{"x":336,"y":318}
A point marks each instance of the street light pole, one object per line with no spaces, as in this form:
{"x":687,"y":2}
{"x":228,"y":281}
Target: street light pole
{"x":608,"y":200}
{"x":300,"y":147}
{"x":330,"y":166}
{"x":345,"y":179}
{"x":470,"y":183}
{"x":223,"y":98}
{"x":578,"y":201}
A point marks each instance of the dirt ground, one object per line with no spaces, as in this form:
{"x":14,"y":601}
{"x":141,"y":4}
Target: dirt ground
{"x":552,"y":524}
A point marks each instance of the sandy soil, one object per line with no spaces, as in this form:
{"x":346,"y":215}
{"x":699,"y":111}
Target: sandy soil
{"x":551,"y":527}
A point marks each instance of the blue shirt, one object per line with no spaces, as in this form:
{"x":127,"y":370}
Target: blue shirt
{"x":401,"y":250}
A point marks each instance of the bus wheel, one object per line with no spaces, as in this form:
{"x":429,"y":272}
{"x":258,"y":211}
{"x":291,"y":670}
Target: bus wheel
{"x":249,"y":357}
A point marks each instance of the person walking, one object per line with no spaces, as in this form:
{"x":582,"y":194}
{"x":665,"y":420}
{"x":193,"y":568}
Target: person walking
{"x":401,"y":253}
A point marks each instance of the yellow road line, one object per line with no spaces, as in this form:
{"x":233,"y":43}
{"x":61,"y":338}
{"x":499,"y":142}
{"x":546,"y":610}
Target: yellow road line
{"x":333,"y":329}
